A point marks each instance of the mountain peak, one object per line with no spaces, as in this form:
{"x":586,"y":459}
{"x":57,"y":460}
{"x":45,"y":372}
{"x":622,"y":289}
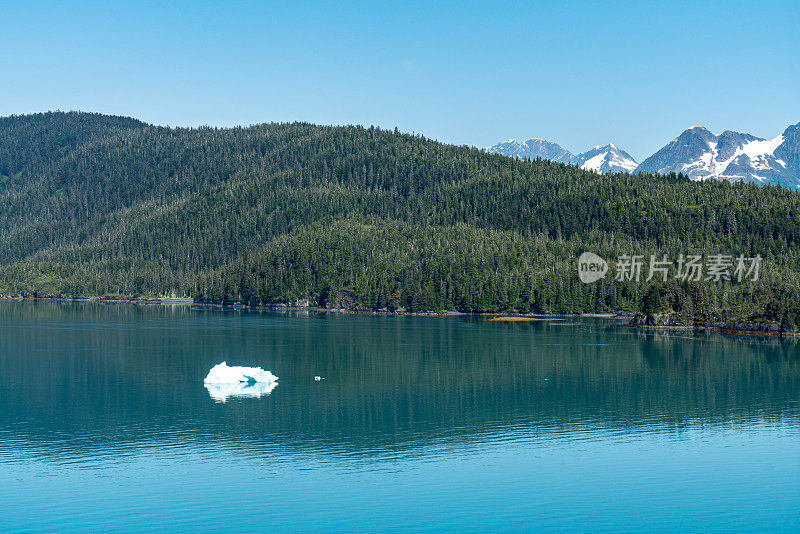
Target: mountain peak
{"x":731,"y":155}
{"x":696,"y":152}
{"x":791,"y":129}
{"x":531,"y":149}
{"x":600,"y":158}
{"x":608,"y":158}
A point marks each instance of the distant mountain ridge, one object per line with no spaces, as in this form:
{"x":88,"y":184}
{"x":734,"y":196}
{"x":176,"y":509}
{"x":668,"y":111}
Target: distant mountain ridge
{"x":532,"y":149}
{"x":608,"y":158}
{"x":697,"y":153}
{"x":732,"y":156}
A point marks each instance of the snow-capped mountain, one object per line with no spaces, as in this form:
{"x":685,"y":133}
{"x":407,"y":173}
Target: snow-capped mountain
{"x":608,"y":158}
{"x":604,"y":159}
{"x":697,"y":153}
{"x":732,"y":156}
{"x":532,"y":149}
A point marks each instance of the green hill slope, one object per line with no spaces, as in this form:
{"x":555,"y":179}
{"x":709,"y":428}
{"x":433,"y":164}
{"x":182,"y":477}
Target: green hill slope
{"x":93,"y":205}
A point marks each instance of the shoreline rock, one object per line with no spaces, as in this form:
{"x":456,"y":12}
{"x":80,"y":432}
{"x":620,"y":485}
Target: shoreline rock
{"x":661,"y":320}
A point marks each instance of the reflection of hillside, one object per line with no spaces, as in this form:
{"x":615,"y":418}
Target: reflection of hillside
{"x":85,"y":376}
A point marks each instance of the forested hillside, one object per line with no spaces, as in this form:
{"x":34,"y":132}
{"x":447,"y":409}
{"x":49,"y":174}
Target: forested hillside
{"x":98,"y":205}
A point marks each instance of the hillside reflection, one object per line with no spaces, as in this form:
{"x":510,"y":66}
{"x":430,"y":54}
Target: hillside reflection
{"x":88,"y":377}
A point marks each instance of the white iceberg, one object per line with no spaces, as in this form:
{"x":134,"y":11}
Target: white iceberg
{"x":222,"y":392}
{"x":223,"y":382}
{"x":222,"y":374}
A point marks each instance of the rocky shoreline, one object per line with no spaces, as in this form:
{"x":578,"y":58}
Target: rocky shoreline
{"x":672,"y":321}
{"x":661,"y":321}
{"x":756,"y":329}
{"x":302,"y":305}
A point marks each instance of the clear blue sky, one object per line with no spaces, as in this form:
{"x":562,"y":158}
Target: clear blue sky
{"x":580,"y":73}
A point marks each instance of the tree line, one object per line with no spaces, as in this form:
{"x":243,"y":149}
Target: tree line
{"x":96,"y":205}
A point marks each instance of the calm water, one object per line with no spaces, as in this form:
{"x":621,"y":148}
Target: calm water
{"x":422,"y":423}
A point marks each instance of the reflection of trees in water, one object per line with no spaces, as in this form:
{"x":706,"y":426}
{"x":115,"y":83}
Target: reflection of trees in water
{"x":90,"y":375}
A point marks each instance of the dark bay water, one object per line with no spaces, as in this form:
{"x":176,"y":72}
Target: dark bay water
{"x":421,"y":423}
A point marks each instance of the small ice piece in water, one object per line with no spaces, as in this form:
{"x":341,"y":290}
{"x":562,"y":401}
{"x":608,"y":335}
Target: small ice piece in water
{"x":318,"y":378}
{"x":222,"y":392}
{"x":222,"y":374}
{"x":223,"y":382}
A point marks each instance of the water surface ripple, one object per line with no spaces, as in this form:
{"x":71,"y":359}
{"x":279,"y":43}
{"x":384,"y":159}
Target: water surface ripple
{"x":421,"y":423}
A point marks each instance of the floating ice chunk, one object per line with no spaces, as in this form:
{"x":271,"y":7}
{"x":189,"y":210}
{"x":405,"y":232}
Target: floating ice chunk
{"x":221,"y":392}
{"x":222,"y":374}
{"x":223,"y":382}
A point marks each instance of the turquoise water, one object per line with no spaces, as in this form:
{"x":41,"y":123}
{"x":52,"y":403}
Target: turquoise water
{"x":421,"y":424}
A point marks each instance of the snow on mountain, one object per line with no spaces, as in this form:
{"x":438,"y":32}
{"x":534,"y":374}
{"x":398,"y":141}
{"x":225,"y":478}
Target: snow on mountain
{"x":697,"y":153}
{"x":604,"y":159}
{"x":732,"y":156}
{"x":608,"y":158}
{"x":532,"y":149}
